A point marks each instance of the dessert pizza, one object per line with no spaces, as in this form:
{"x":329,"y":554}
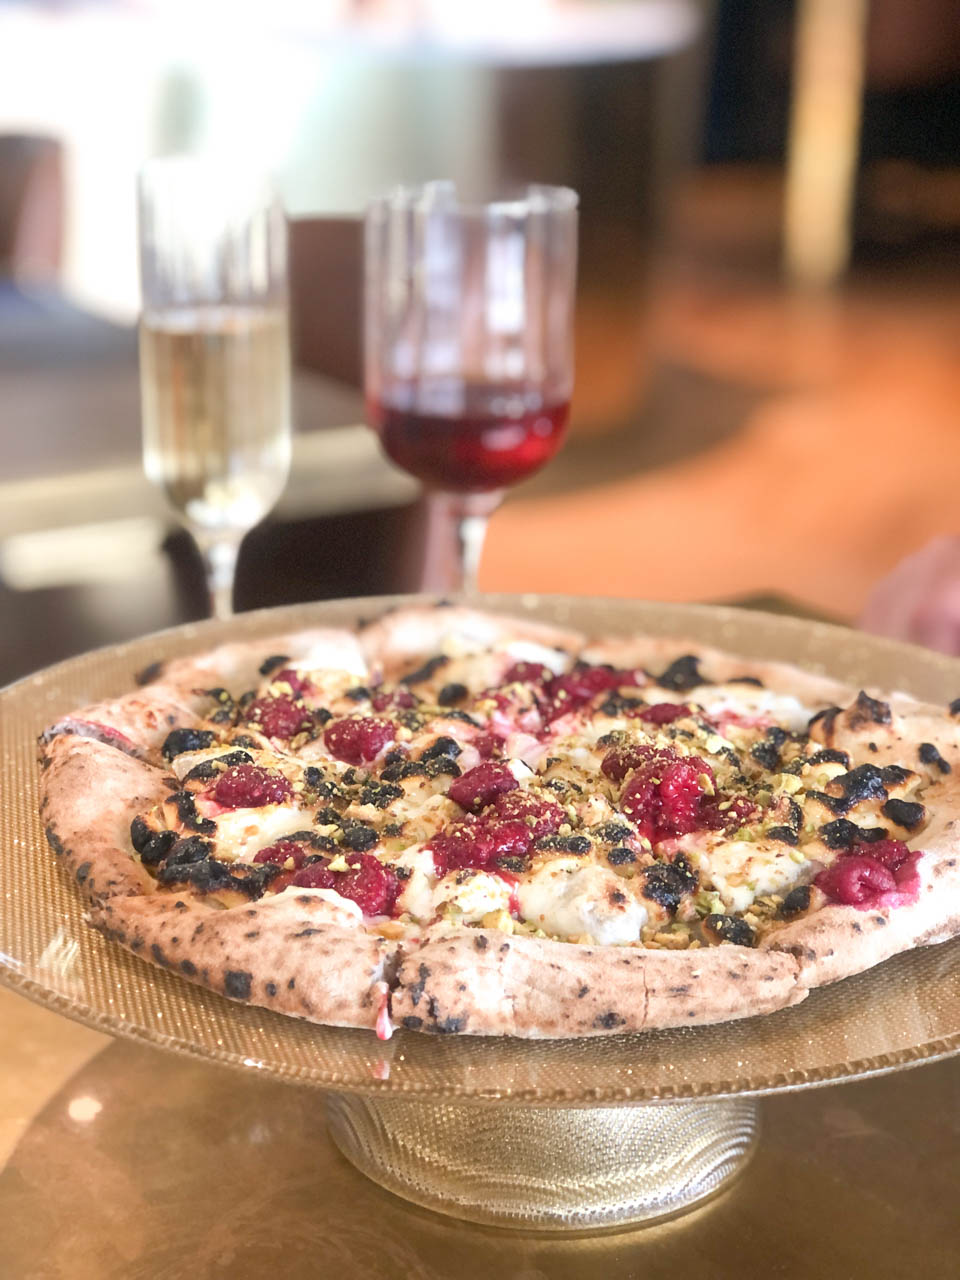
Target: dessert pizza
{"x":451,"y":821}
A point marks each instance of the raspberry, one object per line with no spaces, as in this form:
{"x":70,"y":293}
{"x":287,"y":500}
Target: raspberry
{"x":280,"y":852}
{"x":298,"y":685}
{"x":664,"y":712}
{"x":278,"y":717}
{"x":249,"y":786}
{"x":481,"y":785}
{"x":542,"y":817}
{"x":572,"y":691}
{"x":463,"y":846}
{"x":889,"y":853}
{"x":399,"y":699}
{"x":663,"y":796}
{"x":527,"y":673}
{"x":487,"y":745}
{"x":737,"y":812}
{"x":855,"y":881}
{"x":360,"y":740}
{"x":372,"y":886}
{"x":316,"y":876}
{"x":618,"y":762}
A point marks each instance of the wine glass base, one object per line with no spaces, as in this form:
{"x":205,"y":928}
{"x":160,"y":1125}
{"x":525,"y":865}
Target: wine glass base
{"x":534,"y":1168}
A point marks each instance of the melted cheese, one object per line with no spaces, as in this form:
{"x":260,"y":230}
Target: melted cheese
{"x":242,"y":832}
{"x":568,"y":900}
{"x":742,"y":870}
{"x":416,"y":896}
{"x":473,"y":893}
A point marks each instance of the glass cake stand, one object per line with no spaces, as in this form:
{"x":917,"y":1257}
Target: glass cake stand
{"x":550,"y":1135}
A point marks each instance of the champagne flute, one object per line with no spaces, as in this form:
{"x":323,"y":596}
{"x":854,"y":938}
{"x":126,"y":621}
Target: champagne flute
{"x":214,"y":353}
{"x":469,"y":349}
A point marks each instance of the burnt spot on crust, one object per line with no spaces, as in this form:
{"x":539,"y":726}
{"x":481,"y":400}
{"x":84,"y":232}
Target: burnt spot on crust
{"x":720,"y":928}
{"x":563,"y":844}
{"x":359,"y":837}
{"x":615,"y":832}
{"x":826,"y":719}
{"x":208,"y":769}
{"x":682,"y":674}
{"x":582,"y":992}
{"x":156,"y":848}
{"x":515,"y":863}
{"x":905,"y":813}
{"x":186,"y":806}
{"x":149,"y":673}
{"x":237,"y":984}
{"x":140,"y":834}
{"x":270,"y":988}
{"x":426,"y":670}
{"x":178,"y":741}
{"x":609,"y":1020}
{"x":380,"y":794}
{"x":842,"y":834}
{"x":796,"y":902}
{"x":666,"y":882}
{"x":188,"y":968}
{"x":621,"y":857}
{"x":866,"y":782}
{"x":783,"y":835}
{"x":954,"y":707}
{"x":450,"y":1025}
{"x":82,"y":872}
{"x":158,"y":954}
{"x":272,"y":663}
{"x":359,"y":693}
{"x":412,"y":1022}
{"x":481,"y":943}
{"x":867,"y":710}
{"x":929,"y":754}
{"x":416,"y":988}
{"x":443,"y":746}
{"x":830,"y":755}
{"x":451,"y":694}
{"x":754,"y":680}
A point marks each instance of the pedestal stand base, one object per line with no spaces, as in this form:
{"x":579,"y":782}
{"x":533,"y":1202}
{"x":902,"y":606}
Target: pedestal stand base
{"x":546,"y":1169}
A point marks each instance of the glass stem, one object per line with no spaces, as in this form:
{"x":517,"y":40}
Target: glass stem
{"x":219,"y":552}
{"x":456,"y":528}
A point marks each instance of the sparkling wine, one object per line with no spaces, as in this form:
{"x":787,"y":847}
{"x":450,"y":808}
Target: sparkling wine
{"x":216,"y":411}
{"x":470,"y":438}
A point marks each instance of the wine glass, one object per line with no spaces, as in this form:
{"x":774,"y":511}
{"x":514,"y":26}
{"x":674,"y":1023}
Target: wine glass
{"x":469,"y":349}
{"x":214,"y":353}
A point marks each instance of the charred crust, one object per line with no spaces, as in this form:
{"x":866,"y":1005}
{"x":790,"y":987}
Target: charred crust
{"x":929,"y":754}
{"x":783,"y":835}
{"x":442,"y":746}
{"x":412,"y":1022}
{"x":140,"y":834}
{"x":607,"y":1021}
{"x":666,"y":882}
{"x":380,"y":794}
{"x":451,"y":694}
{"x":481,"y":943}
{"x":830,"y":755}
{"x":826,"y":718}
{"x":82,"y":872}
{"x":359,"y":837}
{"x":582,"y":992}
{"x":147,"y":674}
{"x":905,"y":813}
{"x":186,"y":806}
{"x":188,"y":968}
{"x":563,"y":844}
{"x":275,"y":661}
{"x":158,"y":955}
{"x":270,"y":988}
{"x":843,"y":834}
{"x":754,"y":680}
{"x":237,"y":984}
{"x":615,"y":832}
{"x":359,"y":693}
{"x":621,"y":857}
{"x":681,"y":675}
{"x":416,"y":988}
{"x":178,"y":741}
{"x":720,"y":928}
{"x":425,"y":670}
{"x":157,"y":847}
{"x":867,"y":710}
{"x":796,"y":902}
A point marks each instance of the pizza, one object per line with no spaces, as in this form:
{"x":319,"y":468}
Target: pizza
{"x":451,"y":821}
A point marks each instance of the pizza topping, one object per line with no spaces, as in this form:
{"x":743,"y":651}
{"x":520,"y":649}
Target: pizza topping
{"x":667,"y":882}
{"x":664,"y":712}
{"x":842,"y":834}
{"x":682,"y":675}
{"x":829,"y":755}
{"x":279,"y":717}
{"x":398,"y":699}
{"x":589,"y":902}
{"x":250,"y":786}
{"x":156,"y":847}
{"x":366,"y":881}
{"x":179,"y":740}
{"x":270,"y":664}
{"x":480,"y":786}
{"x":358,"y":741}
{"x":930,"y":755}
{"x":185,"y":805}
{"x":380,"y":794}
{"x":451,"y":694}
{"x":663,"y":795}
{"x":880,"y":874}
{"x":285,"y":853}
{"x":796,"y":903}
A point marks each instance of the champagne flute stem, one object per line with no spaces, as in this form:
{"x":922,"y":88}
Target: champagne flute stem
{"x":219,"y":552}
{"x":456,"y":529}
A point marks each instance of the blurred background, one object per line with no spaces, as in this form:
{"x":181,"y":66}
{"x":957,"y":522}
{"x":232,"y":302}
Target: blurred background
{"x":767,"y":401}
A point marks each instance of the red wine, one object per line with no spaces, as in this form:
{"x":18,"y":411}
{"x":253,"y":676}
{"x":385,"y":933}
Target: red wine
{"x":500,"y":436}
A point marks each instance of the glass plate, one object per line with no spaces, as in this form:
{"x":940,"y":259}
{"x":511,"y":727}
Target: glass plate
{"x":904,"y":1012}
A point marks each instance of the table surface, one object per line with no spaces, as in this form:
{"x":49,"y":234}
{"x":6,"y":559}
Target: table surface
{"x":121,"y":1161}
